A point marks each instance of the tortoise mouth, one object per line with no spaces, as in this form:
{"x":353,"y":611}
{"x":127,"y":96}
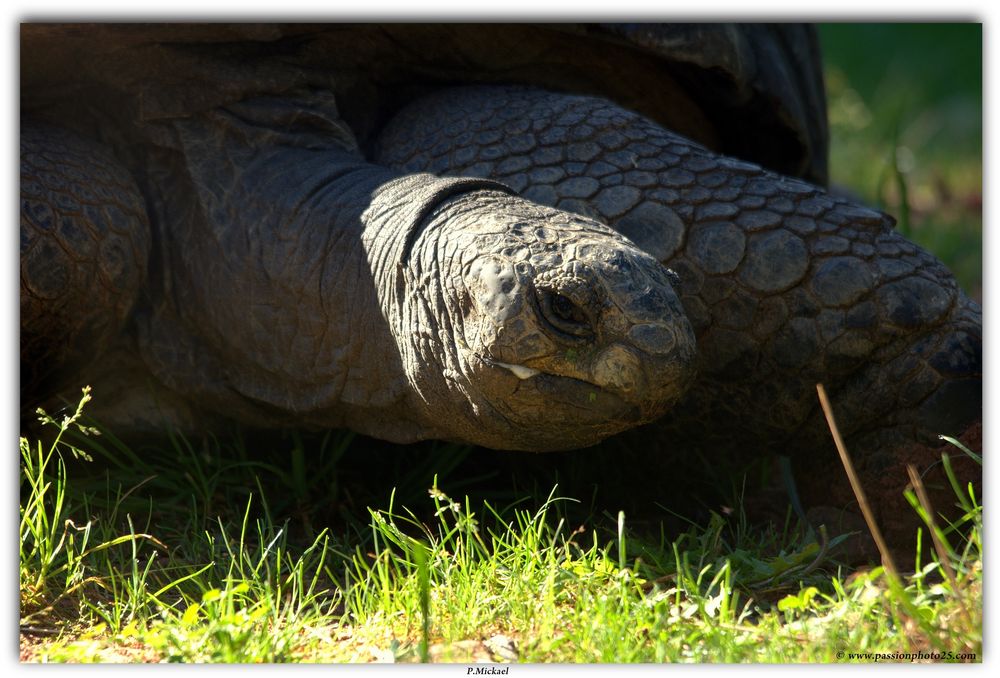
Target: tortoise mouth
{"x":585,"y":397}
{"x":528,"y":409}
{"x":554,"y":396}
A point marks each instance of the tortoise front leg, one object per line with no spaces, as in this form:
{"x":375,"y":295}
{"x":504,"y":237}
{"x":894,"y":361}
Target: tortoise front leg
{"x":785,"y":284}
{"x":85,"y":242}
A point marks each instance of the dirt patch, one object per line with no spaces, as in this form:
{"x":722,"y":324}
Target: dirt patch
{"x":37,"y":647}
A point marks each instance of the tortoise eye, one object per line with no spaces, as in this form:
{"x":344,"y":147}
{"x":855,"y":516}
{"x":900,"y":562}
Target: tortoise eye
{"x":564,"y":315}
{"x":566,"y":310}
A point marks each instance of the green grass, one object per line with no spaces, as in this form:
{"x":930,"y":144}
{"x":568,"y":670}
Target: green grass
{"x":172,"y":566}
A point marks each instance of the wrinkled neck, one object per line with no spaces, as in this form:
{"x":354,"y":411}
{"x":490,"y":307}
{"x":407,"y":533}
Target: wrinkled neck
{"x":288,"y":279}
{"x":418,"y":265}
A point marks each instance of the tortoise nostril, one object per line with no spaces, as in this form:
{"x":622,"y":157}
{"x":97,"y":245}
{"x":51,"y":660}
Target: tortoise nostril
{"x":618,"y":368}
{"x":653,"y":338}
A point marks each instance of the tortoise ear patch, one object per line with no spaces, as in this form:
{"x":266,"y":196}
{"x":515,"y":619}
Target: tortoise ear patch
{"x":494,"y":282}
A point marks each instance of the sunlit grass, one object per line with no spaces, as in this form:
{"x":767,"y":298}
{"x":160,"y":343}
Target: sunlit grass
{"x":449,"y":580}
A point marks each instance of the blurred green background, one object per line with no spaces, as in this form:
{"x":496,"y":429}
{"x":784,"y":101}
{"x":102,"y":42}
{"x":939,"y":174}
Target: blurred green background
{"x":906,"y":105}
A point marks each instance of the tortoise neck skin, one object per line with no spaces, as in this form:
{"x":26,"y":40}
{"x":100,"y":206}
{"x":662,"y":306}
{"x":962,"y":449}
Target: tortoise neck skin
{"x":310,"y":287}
{"x":266,"y":277}
{"x":277,"y":269}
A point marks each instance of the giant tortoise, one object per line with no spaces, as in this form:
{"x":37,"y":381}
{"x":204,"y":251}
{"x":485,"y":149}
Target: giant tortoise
{"x":463,"y":232}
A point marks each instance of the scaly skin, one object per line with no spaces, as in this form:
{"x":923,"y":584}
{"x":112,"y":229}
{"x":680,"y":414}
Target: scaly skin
{"x":302,"y":285}
{"x":785,"y":284}
{"x":491,"y":271}
{"x":84,"y":248}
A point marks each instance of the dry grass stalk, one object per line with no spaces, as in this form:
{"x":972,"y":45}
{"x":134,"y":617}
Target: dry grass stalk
{"x":859,"y":493}
{"x":925,"y":504}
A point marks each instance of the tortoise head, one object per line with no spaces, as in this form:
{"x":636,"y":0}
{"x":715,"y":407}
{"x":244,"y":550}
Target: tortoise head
{"x":553,"y":331}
